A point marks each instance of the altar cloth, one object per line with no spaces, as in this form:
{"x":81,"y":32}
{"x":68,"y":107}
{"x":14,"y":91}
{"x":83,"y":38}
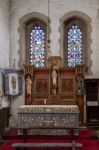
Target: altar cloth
{"x":48,"y":116}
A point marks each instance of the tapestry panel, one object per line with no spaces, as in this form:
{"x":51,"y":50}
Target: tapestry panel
{"x":12,"y":82}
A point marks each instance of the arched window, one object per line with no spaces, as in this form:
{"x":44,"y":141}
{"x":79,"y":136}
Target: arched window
{"x":74,"y":42}
{"x":36,"y":43}
{"x":33,"y":32}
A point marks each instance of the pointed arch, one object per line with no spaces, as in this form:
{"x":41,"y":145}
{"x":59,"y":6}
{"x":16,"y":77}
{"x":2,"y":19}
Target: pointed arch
{"x":27,"y":23}
{"x":83,"y":22}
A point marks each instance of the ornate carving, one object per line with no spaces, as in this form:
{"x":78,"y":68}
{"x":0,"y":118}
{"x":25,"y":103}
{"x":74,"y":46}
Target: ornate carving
{"x":28,"y":75}
{"x":28,"y":69}
{"x":54,"y":62}
{"x":80,"y":71}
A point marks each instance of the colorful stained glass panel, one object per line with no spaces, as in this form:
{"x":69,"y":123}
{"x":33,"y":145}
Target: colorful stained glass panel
{"x":74,"y":46}
{"x":37,"y":47}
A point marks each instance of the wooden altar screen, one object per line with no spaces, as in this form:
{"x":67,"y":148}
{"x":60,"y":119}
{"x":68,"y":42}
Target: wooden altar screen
{"x":65,"y":89}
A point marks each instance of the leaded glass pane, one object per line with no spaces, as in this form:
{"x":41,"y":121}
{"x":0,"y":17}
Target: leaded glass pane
{"x":74,"y":46}
{"x":37,"y":47}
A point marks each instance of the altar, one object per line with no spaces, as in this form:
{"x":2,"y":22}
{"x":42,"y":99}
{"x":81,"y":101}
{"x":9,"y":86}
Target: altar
{"x":49,"y":119}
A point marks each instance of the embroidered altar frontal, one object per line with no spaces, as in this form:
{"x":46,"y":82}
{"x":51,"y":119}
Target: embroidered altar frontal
{"x":49,"y":117}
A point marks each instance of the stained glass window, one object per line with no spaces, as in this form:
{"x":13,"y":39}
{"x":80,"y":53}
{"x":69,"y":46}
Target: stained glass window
{"x":37,"y":46}
{"x":74,"y":42}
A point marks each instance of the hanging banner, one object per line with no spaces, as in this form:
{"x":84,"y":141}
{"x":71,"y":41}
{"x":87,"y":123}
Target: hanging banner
{"x":12,"y":82}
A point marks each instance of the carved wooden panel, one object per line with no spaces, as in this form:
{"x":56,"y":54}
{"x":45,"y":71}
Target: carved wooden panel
{"x":67,"y":83}
{"x":41,"y":88}
{"x":67,"y":87}
{"x":41,"y":83}
{"x":4,"y":119}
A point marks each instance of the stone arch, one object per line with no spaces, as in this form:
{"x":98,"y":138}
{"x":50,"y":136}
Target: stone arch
{"x":87,"y":23}
{"x":26,"y":19}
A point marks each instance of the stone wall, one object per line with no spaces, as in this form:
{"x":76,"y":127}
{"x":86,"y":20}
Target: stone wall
{"x":4,"y":33}
{"x":4,"y":45}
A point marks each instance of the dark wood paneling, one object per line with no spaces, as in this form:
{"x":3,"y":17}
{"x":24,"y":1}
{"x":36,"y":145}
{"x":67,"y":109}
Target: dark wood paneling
{"x":93,"y":115}
{"x":92,"y":101}
{"x":4,"y":119}
{"x":92,"y":89}
{"x":1,"y":121}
